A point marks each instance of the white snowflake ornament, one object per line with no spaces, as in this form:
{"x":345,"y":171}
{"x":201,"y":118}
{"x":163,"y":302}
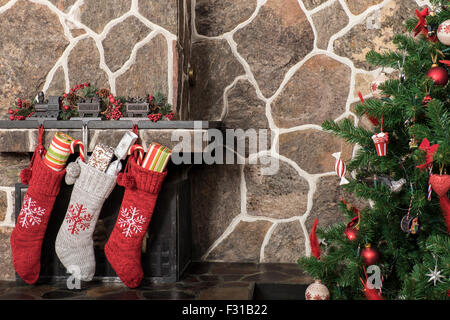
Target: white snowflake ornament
{"x":434,"y":275}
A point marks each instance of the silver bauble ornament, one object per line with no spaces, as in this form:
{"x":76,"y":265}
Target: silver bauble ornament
{"x":443,"y":32}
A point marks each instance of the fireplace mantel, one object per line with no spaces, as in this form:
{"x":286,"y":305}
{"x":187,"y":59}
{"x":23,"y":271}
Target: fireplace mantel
{"x":21,"y":136}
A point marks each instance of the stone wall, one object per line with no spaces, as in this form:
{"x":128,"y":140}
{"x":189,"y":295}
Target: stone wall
{"x":128,"y":46}
{"x":282,"y":65}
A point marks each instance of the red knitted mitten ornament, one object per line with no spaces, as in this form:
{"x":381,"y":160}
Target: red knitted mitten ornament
{"x":123,"y":249}
{"x":28,"y":234}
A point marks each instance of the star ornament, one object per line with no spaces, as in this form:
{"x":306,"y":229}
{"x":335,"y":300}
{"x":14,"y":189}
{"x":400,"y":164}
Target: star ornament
{"x":434,"y":275}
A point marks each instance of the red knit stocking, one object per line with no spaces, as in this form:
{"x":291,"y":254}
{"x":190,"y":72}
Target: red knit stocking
{"x":123,"y":249}
{"x":28,"y":234}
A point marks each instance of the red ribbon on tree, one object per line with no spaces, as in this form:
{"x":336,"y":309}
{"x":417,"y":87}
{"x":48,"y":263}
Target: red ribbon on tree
{"x":446,"y":62}
{"x":371,"y":294}
{"x":430,"y":150}
{"x":315,"y":247}
{"x":421,"y":25}
{"x":372,"y":119}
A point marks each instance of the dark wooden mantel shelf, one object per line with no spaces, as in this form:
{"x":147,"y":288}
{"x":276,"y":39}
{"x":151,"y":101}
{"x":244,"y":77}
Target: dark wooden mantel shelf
{"x":109,"y":124}
{"x":22,"y":136}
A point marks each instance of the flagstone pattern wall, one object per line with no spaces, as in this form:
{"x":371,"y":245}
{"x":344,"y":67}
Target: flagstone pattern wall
{"x":282,"y":65}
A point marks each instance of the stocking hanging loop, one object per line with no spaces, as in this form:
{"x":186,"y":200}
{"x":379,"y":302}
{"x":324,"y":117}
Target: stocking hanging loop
{"x":40,"y":134}
{"x":26,"y":173}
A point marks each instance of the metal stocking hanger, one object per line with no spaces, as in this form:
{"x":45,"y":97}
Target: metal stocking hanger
{"x":85,"y":138}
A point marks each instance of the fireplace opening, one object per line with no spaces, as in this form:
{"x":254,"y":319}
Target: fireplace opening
{"x":166,"y":251}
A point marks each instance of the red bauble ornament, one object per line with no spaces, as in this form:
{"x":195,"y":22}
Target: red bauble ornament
{"x":351,"y":234}
{"x":11,"y":117}
{"x":438,"y":74}
{"x":370,"y":255}
{"x":112,"y":100}
{"x":66,"y":108}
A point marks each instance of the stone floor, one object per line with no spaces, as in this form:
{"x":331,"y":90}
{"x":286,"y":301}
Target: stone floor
{"x":201,"y":281}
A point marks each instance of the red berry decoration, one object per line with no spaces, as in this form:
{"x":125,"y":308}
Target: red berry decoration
{"x":427,"y":99}
{"x":351,"y":231}
{"x":438,"y":74}
{"x":370,"y":255}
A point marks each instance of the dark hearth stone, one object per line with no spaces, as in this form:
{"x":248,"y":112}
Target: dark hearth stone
{"x":267,"y":276}
{"x":209,"y":277}
{"x":198,"y":268}
{"x":60,"y":294}
{"x":122,"y":295}
{"x":17,"y":296}
{"x":235,"y":268}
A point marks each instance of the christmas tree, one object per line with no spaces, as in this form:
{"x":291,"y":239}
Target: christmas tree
{"x":401,"y":170}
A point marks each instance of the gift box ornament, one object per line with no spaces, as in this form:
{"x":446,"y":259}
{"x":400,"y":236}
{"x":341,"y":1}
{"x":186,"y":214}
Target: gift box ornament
{"x":156,"y":158}
{"x":101,"y":157}
{"x":381,"y":140}
{"x":121,"y":151}
{"x":58,"y":151}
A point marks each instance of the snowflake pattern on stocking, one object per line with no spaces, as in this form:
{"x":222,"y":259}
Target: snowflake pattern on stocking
{"x":78,"y":218}
{"x":131,"y":221}
{"x":30,"y":214}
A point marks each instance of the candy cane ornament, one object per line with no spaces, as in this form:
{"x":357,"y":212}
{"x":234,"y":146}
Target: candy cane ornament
{"x":140,"y":150}
{"x":81,"y":148}
{"x":430,"y":172}
{"x":340,"y":168}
